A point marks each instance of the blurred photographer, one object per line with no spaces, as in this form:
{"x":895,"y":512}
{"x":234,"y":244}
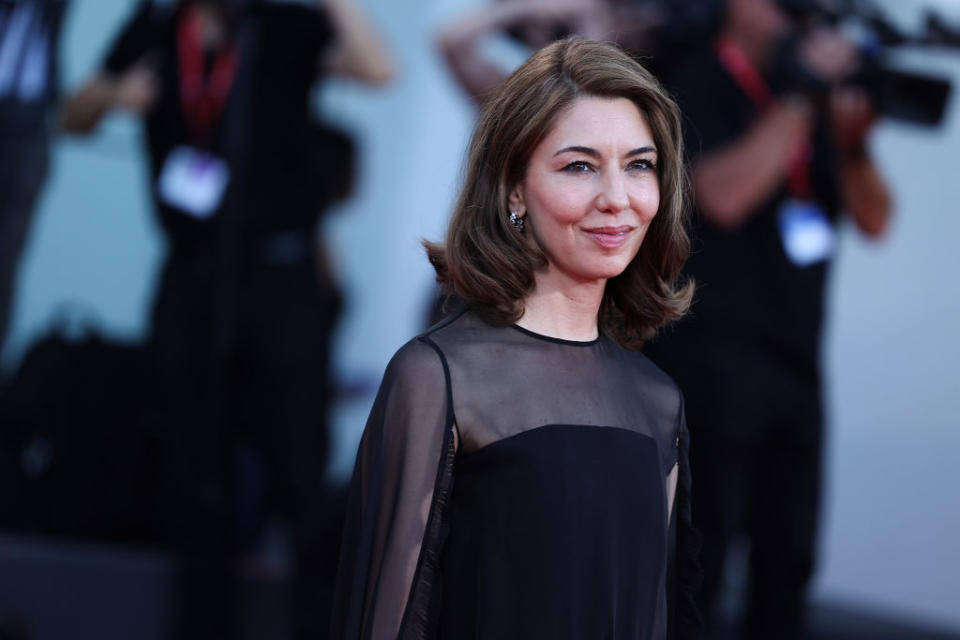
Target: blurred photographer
{"x":778,"y":146}
{"x":244,"y":312}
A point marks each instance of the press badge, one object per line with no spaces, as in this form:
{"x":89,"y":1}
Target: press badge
{"x":806,"y":233}
{"x":193,"y":181}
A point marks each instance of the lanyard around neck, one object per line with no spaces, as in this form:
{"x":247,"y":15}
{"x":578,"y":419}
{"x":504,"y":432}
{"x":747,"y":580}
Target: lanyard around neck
{"x":202,"y":95}
{"x":752,"y":83}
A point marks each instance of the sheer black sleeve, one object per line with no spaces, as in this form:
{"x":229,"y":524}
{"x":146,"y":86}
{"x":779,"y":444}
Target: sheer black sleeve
{"x":401,"y":483}
{"x":686,"y":621}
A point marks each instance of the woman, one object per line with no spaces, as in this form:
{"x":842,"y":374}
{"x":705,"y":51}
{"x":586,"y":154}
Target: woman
{"x":517,"y":477}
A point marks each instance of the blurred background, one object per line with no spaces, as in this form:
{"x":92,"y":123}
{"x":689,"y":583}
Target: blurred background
{"x":95,"y":252}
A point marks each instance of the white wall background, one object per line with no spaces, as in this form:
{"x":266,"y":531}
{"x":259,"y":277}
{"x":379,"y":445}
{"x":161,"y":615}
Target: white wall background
{"x":892,"y":535}
{"x":892,"y":516}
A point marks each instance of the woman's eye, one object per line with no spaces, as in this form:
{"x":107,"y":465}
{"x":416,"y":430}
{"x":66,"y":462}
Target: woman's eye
{"x":643,"y":164}
{"x":578,"y":166}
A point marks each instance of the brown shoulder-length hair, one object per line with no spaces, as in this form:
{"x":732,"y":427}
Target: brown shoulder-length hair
{"x":491,"y":265}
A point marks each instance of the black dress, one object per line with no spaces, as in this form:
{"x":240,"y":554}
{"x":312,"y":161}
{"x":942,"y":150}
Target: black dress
{"x":511,"y":485}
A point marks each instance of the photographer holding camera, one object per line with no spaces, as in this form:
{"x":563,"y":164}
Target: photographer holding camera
{"x":244,"y":312}
{"x":778,"y":145}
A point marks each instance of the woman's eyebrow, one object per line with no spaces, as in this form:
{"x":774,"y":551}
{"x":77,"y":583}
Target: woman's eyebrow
{"x":580,"y":149}
{"x":640,"y":150}
{"x":590,"y":151}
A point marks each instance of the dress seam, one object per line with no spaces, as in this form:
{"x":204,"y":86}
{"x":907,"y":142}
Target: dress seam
{"x":416,"y":620}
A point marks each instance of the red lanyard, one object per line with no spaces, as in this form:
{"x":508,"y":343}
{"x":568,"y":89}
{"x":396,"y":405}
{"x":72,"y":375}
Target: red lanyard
{"x":743,"y":72}
{"x":202,"y":98}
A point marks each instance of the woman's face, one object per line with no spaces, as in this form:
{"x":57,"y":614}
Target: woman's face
{"x":591,"y":189}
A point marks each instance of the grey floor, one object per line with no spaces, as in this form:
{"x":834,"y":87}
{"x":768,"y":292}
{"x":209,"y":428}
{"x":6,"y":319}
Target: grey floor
{"x":52,"y":590}
{"x":836,"y":621}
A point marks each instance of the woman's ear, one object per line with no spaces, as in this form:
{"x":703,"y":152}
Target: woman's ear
{"x":515,"y":201}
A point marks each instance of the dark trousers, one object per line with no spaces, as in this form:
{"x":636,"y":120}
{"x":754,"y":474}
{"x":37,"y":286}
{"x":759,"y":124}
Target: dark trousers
{"x":241,"y":397}
{"x":756,"y":439}
{"x":23,"y":168}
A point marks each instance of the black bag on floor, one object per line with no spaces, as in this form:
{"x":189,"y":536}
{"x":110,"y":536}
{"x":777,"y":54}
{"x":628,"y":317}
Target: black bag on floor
{"x":75,"y":457}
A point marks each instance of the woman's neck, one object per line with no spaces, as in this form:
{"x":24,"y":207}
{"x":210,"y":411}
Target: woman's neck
{"x":563,"y":310}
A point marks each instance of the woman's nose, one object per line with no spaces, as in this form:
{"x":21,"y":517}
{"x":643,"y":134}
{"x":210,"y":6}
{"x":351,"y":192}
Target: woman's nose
{"x":613,"y":194}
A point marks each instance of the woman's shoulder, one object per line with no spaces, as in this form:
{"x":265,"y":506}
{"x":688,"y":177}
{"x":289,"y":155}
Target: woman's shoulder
{"x":652,"y":379}
{"x":417,"y":358}
{"x":430,"y":350}
{"x":643,"y":366}
{"x":462,"y":327}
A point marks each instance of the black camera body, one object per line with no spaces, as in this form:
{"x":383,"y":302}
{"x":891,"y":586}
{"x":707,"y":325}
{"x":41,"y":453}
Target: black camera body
{"x":907,"y":96}
{"x":902,"y":95}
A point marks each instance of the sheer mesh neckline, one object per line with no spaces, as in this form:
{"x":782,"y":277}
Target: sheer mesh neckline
{"x":574,"y":343}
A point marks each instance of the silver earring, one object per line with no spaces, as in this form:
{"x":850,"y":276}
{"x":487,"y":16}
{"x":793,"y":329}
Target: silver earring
{"x":516,"y":221}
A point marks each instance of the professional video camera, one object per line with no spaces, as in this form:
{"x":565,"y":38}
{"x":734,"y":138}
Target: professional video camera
{"x":663,"y":32}
{"x":909,"y":96}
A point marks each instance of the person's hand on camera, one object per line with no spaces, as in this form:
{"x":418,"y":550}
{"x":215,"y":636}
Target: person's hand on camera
{"x":851,"y":116}
{"x":828,"y":55}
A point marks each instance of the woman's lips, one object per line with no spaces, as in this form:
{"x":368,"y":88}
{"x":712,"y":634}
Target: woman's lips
{"x":609,"y":237}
